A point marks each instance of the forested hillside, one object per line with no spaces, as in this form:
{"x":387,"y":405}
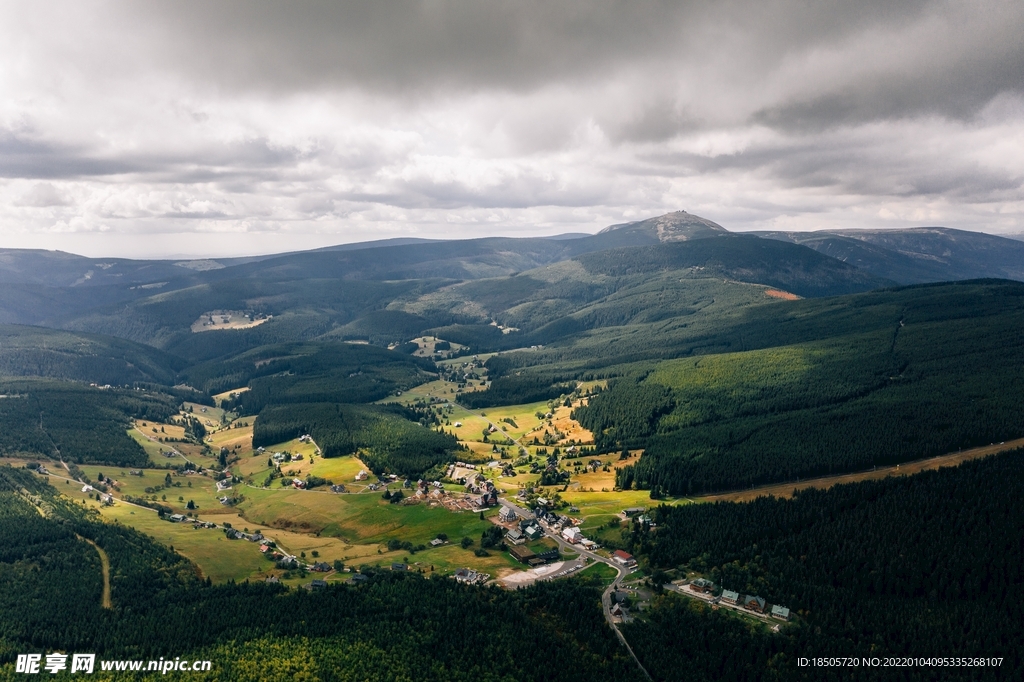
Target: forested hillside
{"x":397,"y":626}
{"x":310,"y":372}
{"x":939,"y":370}
{"x":75,"y":422}
{"x":389,"y":439}
{"x":41,"y":352}
{"x":927,"y":565}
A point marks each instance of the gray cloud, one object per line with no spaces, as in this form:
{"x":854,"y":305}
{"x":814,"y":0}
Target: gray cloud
{"x":454,"y":118}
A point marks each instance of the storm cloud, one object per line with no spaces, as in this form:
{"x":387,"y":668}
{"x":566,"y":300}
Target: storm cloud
{"x":241,"y":127}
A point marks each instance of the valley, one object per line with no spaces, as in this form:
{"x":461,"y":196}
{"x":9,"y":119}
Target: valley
{"x":527,"y":420}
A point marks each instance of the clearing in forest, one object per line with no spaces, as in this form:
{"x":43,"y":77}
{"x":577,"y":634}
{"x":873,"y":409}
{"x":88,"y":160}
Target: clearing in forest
{"x":227,"y":319}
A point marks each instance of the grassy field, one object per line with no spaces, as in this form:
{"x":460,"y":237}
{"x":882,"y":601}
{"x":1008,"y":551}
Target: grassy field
{"x":426,"y":346}
{"x":600,"y":571}
{"x":359,"y":517}
{"x":212,"y":418}
{"x":153,"y":449}
{"x":598,"y":508}
{"x":439,"y":389}
{"x":228,"y":395}
{"x":237,"y":433}
{"x":340,"y":469}
{"x":201,"y":489}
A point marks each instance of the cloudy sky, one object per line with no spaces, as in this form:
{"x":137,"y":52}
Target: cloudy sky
{"x":227,"y":128}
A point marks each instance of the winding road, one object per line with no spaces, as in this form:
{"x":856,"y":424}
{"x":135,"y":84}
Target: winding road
{"x":606,"y":596}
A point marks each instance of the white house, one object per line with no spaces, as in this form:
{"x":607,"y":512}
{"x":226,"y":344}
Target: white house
{"x":572,"y":534}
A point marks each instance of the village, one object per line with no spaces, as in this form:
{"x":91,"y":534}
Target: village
{"x":529,"y":503}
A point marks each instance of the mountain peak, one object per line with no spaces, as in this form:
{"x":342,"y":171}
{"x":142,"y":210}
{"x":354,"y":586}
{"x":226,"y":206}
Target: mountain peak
{"x":678,"y":226}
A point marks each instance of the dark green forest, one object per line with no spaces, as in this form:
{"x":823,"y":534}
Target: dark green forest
{"x":76,"y":422}
{"x":513,"y":390}
{"x":310,"y":372}
{"x":940,"y":372}
{"x":387,"y":437}
{"x":926,"y":565}
{"x":36,"y":351}
{"x":397,"y":626}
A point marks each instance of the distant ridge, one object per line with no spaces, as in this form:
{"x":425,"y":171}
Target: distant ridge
{"x":919,"y":254}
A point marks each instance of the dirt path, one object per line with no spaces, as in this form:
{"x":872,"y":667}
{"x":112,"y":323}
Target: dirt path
{"x":785,"y":490}
{"x":161,"y":444}
{"x":105,"y":600}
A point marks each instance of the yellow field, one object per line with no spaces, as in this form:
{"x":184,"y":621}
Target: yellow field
{"x":226,"y":395}
{"x":600,"y":480}
{"x":341,"y":470}
{"x":234,"y":435}
{"x":424,"y":392}
{"x":210,"y":417}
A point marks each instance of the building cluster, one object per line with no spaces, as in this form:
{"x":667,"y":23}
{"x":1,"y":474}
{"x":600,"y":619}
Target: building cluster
{"x":481,"y":492}
{"x":750,"y":602}
{"x":233,"y":534}
{"x":526,"y":530}
{"x":196,"y":523}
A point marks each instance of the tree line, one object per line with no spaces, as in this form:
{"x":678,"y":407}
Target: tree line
{"x":923,"y":565}
{"x":386,"y":438}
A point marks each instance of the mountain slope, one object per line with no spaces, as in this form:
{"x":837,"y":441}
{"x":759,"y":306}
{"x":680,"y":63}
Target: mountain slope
{"x":39,"y":352}
{"x":918,"y":255}
{"x":678,"y":226}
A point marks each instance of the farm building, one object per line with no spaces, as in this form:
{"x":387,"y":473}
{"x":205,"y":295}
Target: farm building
{"x":522,"y":554}
{"x":624,"y":558}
